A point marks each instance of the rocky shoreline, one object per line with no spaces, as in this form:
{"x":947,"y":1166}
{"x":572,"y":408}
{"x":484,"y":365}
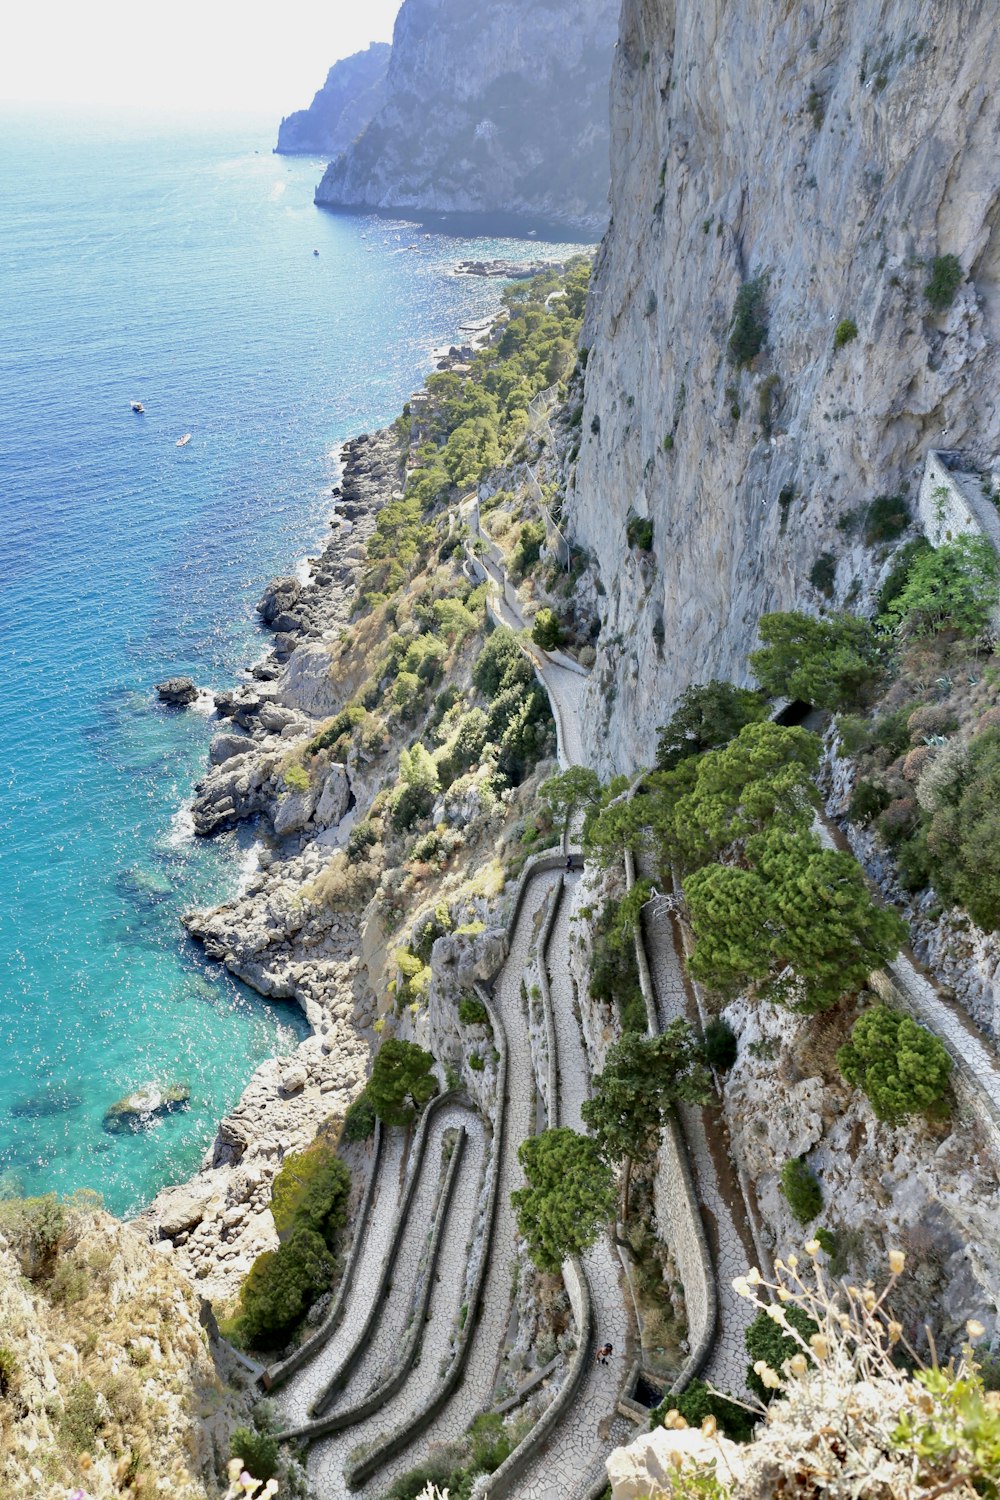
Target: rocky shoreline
{"x":271,"y":935}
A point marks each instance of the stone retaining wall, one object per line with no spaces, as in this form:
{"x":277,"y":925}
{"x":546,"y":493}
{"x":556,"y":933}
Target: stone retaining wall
{"x":951,"y":502}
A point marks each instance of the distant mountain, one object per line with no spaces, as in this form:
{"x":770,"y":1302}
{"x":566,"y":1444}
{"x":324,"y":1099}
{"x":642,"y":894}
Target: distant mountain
{"x":491,"y":106}
{"x":353,"y":93}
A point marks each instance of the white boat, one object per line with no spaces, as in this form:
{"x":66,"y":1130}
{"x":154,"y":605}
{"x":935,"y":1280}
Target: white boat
{"x":182,"y":442}
{"x":137,"y":406}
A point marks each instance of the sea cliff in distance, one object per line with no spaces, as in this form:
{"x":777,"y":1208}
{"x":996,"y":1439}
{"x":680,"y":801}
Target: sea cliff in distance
{"x":352,"y":95}
{"x":498,"y":109}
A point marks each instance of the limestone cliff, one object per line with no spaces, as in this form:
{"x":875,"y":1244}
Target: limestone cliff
{"x":350,"y":97}
{"x":833,"y":150}
{"x":489,"y":108}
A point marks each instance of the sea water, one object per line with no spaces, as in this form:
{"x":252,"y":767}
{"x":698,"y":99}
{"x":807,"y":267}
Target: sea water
{"x":171,"y":263}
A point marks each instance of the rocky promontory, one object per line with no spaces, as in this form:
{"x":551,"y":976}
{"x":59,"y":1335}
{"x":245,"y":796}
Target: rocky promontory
{"x":352,"y":94}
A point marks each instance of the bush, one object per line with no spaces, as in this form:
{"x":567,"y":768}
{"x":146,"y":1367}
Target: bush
{"x":868,"y":799}
{"x":359,"y":1121}
{"x":707,"y":716}
{"x":639,"y":533}
{"x":546,"y":631}
{"x":311,"y":1191}
{"x":500,"y":663}
{"x":476,"y":1062}
{"x":280,"y":1287}
{"x":951,"y":587}
{"x":697,"y":1401}
{"x":823,"y":573}
{"x":296,"y":778}
{"x":802,"y":1190}
{"x":719,"y":1045}
{"x":472,"y":1012}
{"x":898,"y":574}
{"x":945,"y":279}
{"x":902,"y":1068}
{"x":832,"y":663}
{"x":81,"y":1418}
{"x":34,"y":1227}
{"x":528,"y":549}
{"x":765,"y":1340}
{"x":749,"y":328}
{"x":9,"y":1366}
{"x":402,"y":1081}
{"x":845,"y":332}
{"x":257,"y":1451}
{"x":886,"y":519}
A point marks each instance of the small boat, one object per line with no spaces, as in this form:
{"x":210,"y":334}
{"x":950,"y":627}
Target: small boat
{"x":137,"y":406}
{"x":182,"y":442}
{"x":315,"y":252}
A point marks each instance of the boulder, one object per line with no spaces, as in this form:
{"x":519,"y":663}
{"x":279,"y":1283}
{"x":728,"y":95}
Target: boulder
{"x":280,"y":596}
{"x":181,"y":1208}
{"x":227,"y":747}
{"x":293,"y":812}
{"x":335,"y":798}
{"x":293,"y":1078}
{"x":274,"y":718}
{"x":647,"y":1466}
{"x":139,"y":1109}
{"x":177,"y":691}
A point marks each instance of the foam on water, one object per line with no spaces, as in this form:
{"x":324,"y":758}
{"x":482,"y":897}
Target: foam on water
{"x":172,"y":264}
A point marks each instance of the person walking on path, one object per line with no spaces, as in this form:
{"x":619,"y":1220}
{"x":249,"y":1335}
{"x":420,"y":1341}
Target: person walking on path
{"x":601,"y":1357}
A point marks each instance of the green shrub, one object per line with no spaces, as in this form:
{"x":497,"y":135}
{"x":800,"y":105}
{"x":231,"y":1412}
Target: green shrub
{"x":765,"y":1340}
{"x":846,"y":331}
{"x":359,"y":1121}
{"x":868,"y":799}
{"x":945,"y":279}
{"x":500,"y":663}
{"x":823,"y":573}
{"x":546,"y":631}
{"x":490,"y":1441}
{"x":296,"y":778}
{"x":34,"y":1227}
{"x":719,"y":1045}
{"x":901,"y":1067}
{"x":528,"y":549}
{"x":257,"y":1451}
{"x":886,"y":519}
{"x":402,"y":1081}
{"x":826,"y":1239}
{"x":802,"y":1190}
{"x":898,"y":574}
{"x":962,"y":835}
{"x":81,"y":1419}
{"x":833,"y":663}
{"x":708,"y":715}
{"x":476,"y":1062}
{"x":639,"y":533}
{"x":569,"y":1196}
{"x":951,"y":587}
{"x":697,"y":1401}
{"x":748,"y":331}
{"x":279,"y":1289}
{"x":311,"y":1191}
{"x":9,"y":1366}
{"x":337,"y":729}
{"x":472,"y":1012}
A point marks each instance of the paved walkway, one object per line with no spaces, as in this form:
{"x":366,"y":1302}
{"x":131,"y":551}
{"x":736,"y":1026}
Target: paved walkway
{"x":485,"y":1361}
{"x":295,"y":1398}
{"x":576,"y":1451}
{"x":716,"y":1181}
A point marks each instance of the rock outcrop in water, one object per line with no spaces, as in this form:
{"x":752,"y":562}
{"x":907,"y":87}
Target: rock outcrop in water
{"x":352,"y":94}
{"x":489,"y":108}
{"x":831,"y":152}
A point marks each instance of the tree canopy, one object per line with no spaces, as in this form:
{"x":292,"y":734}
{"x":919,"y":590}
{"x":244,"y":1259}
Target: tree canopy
{"x":951,"y":587}
{"x":707,"y":716}
{"x":901,"y":1066}
{"x":569,"y":1196}
{"x":832,"y":662}
{"x":402,"y":1081}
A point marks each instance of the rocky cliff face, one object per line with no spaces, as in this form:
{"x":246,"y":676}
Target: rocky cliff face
{"x":352,"y":94}
{"x":831,"y":150}
{"x":489,"y":108}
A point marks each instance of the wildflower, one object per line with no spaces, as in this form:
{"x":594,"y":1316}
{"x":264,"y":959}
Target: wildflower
{"x":813,"y":1247}
{"x":676,"y":1458}
{"x":895,"y":1331}
{"x":234,"y":1469}
{"x":784,"y":1295}
{"x":709,"y":1427}
{"x":868,"y":1298}
{"x":754,"y":1277}
{"x":820,"y":1346}
{"x":777,"y":1315}
{"x":793,"y":1262}
{"x":897,"y":1260}
{"x":742,"y":1287}
{"x":974,"y":1328}
{"x":798,"y":1364}
{"x":271,"y":1488}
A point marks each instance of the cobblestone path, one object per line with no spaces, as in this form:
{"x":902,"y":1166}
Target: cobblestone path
{"x":328,"y":1455}
{"x":574,"y":1455}
{"x":485,"y":1362}
{"x":716,"y":1181}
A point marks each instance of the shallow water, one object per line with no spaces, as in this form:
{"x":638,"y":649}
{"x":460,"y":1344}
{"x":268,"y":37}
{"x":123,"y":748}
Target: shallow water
{"x":173,"y":264}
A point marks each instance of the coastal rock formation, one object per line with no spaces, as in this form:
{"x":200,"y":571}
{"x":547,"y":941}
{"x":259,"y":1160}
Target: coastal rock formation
{"x":832,"y":153}
{"x":350,"y":97}
{"x":489,"y":108}
{"x":177,"y":691}
{"x":144,"y":1105}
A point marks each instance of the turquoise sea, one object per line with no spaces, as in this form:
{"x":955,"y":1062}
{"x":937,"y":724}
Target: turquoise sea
{"x":169,"y":262}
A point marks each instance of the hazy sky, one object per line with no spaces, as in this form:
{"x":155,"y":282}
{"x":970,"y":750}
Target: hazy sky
{"x":188,"y":54}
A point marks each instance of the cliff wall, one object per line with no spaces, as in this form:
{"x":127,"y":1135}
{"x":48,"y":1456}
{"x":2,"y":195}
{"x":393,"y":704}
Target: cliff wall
{"x":499,"y":108}
{"x":832,"y":149}
{"x":352,"y":94}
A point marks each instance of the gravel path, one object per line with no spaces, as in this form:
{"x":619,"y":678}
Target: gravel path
{"x":295,"y":1398}
{"x":578,"y":1447}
